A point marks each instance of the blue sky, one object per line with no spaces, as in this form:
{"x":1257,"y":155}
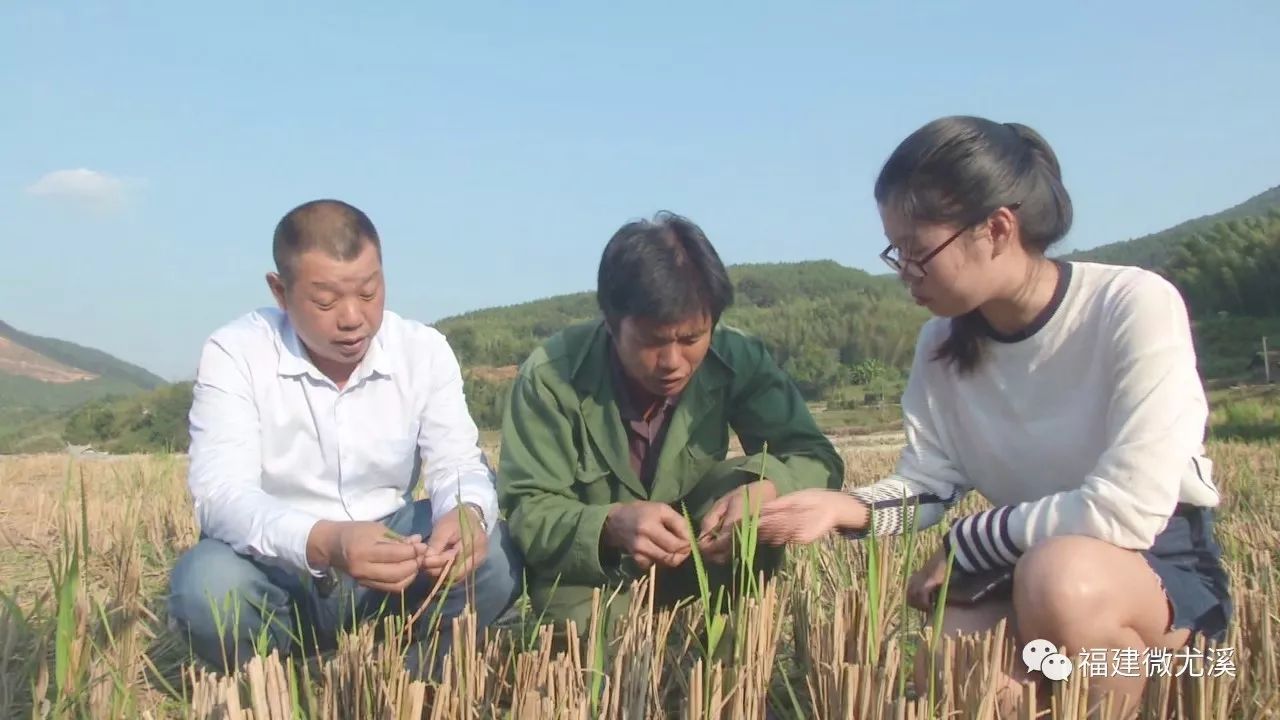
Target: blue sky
{"x":148,"y":149}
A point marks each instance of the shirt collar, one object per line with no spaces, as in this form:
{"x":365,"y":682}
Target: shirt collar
{"x":293,"y":356}
{"x":621,"y":390}
{"x":376,"y":359}
{"x":294,"y":360}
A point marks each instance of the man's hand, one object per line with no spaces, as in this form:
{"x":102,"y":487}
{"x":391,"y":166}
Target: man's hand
{"x":367,"y":551}
{"x":926,"y":580}
{"x":458,"y":544}
{"x":650,"y":532}
{"x":715,"y":540}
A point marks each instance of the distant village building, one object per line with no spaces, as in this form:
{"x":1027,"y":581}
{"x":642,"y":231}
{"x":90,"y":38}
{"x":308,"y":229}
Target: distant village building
{"x":1259,"y":370}
{"x":85,"y":451}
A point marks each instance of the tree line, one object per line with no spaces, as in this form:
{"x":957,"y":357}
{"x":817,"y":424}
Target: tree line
{"x":1231,"y":269}
{"x":843,"y":335}
{"x":828,"y":326}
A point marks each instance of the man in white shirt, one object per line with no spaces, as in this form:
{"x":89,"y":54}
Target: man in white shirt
{"x":308,"y":429}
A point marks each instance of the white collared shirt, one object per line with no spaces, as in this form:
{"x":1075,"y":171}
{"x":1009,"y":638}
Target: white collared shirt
{"x":276,"y":446}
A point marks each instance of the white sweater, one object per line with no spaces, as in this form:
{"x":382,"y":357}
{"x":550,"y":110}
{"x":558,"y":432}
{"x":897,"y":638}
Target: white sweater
{"x":1092,"y":423}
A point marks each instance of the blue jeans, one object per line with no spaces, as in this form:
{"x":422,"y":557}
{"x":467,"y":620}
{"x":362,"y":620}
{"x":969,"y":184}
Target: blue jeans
{"x":261,"y":607}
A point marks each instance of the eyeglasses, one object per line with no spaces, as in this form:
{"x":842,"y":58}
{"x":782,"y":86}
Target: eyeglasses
{"x":914,"y":269}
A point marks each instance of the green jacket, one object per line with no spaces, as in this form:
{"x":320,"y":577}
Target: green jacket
{"x":565,"y":458}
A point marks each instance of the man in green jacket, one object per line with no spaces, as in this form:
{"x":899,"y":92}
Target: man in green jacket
{"x":616,"y":427}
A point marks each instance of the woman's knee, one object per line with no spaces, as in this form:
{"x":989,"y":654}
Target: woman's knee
{"x":1059,"y":583}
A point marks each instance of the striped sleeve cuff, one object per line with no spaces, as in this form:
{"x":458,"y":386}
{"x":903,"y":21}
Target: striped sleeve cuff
{"x":895,"y":510}
{"x":890,"y":513}
{"x":982,"y":541}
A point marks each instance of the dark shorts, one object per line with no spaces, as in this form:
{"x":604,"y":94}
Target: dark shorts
{"x":1188,"y":560}
{"x":1185,"y":556}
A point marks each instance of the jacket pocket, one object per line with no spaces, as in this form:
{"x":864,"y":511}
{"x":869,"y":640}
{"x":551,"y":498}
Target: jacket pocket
{"x":589,"y":478}
{"x":590,"y":475}
{"x":592,"y":485}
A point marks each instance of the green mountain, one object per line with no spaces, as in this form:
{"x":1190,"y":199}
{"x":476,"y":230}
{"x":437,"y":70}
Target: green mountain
{"x":1228,"y":275}
{"x":83,"y":358}
{"x":42,"y":377}
{"x":150,"y":421}
{"x":769,"y":298}
{"x":842,"y":334}
{"x":820,"y":320}
{"x":1155,"y":250}
{"x":832,"y":327}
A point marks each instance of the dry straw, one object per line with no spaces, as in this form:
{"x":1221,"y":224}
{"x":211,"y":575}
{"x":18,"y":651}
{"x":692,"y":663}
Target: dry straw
{"x":83,"y":632}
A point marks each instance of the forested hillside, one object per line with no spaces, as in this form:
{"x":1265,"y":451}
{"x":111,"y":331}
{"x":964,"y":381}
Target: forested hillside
{"x":845,"y":336}
{"x":1155,"y":250}
{"x":783,"y":302}
{"x":1231,"y":268}
{"x":1230,"y":276}
{"x":43,"y":378}
{"x":841,"y":332}
{"x":83,"y":358}
{"x":828,"y":325}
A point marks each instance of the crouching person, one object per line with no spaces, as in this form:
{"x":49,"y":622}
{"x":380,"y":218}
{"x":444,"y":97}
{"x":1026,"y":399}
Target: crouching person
{"x":309,"y":426}
{"x":1064,"y":394}
{"x":618,"y":427}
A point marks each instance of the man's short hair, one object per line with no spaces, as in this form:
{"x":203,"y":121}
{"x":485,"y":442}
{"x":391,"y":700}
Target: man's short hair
{"x":664,"y":270}
{"x":336,"y":228}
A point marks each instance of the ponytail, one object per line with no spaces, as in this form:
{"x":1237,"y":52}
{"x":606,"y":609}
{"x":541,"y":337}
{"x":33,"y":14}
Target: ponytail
{"x":1057,"y":221}
{"x":963,"y":346}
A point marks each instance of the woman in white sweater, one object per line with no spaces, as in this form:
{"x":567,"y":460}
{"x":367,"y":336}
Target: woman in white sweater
{"x":1066,"y":394}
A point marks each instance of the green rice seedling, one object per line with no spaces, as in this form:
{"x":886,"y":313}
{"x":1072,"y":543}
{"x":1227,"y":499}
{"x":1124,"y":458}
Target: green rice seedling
{"x":873,"y":590}
{"x":939,"y":608}
{"x":911,"y":536}
{"x":71,"y":659}
{"x":746,"y":536}
{"x":712,"y":614}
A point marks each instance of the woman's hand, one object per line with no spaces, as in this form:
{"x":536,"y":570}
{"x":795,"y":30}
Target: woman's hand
{"x":806,"y":516}
{"x":925,"y":581}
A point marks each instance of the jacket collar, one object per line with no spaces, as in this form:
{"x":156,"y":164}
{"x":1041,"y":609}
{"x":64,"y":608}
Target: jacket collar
{"x":590,"y":376}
